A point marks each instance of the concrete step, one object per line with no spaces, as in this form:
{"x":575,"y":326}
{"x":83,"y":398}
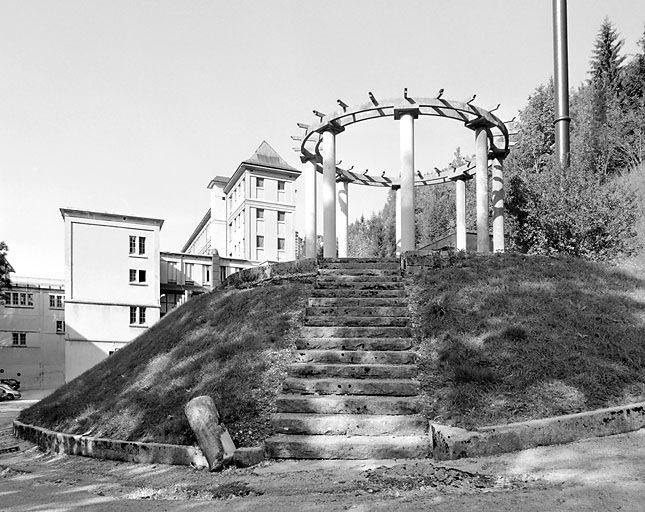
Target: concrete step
{"x":357,"y":285}
{"x":357,"y":356}
{"x":349,"y":424}
{"x":353,"y":261}
{"x":367,"y":271}
{"x":356,"y":321}
{"x":354,"y":343}
{"x":382,"y":311}
{"x":341,"y":278}
{"x":348,"y":447}
{"x":381,"y":387}
{"x":352,"y":371}
{"x":362,"y":302}
{"x":355,"y":332}
{"x":357,"y":293}
{"x":348,"y":404}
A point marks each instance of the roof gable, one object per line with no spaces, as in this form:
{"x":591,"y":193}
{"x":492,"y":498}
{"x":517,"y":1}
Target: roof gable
{"x":266,"y":156}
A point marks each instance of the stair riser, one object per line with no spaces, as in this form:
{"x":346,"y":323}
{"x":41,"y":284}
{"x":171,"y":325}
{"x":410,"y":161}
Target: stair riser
{"x":349,"y":448}
{"x":347,"y":404}
{"x":370,"y":311}
{"x":354,"y":343}
{"x":349,"y":425}
{"x":356,"y":332}
{"x":336,"y":293}
{"x":359,"y":272}
{"x":357,"y":285}
{"x":370,"y":262}
{"x":348,"y":321}
{"x":357,"y":302}
{"x":352,"y":371}
{"x":358,"y":279}
{"x":350,"y":387}
{"x":357,"y":357}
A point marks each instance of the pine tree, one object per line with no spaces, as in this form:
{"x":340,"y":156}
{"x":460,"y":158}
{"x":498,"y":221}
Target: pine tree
{"x":606,"y":60}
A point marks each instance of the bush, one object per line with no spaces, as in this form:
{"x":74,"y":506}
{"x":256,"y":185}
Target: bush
{"x":573,"y":212}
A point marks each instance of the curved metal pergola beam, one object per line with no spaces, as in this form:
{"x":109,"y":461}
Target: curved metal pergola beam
{"x":471,"y":115}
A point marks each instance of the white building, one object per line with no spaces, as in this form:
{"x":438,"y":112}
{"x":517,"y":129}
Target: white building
{"x":251,"y":216}
{"x":112,"y":265}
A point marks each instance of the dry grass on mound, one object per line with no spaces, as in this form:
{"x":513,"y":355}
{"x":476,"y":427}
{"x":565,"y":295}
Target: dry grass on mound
{"x":510,"y":338}
{"x":232,"y":345}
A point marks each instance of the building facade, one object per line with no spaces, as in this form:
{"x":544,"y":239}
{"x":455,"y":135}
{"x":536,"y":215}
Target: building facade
{"x":112,"y":267}
{"x":32,"y":344}
{"x":251,"y":217}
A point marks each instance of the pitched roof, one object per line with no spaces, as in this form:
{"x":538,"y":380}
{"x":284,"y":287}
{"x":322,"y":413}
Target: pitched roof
{"x":266,"y":156}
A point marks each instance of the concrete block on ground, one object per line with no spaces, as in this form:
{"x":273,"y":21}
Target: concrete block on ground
{"x":247,"y":457}
{"x":455,"y":443}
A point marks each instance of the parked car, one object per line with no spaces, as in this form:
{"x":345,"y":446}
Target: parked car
{"x":12,"y":383}
{"x":8,"y":393}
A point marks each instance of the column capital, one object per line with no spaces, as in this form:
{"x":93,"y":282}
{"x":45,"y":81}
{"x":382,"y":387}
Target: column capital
{"x":496,"y":152}
{"x":332,"y":126}
{"x":399,"y":112}
{"x":479,"y":122}
{"x":461,"y":177}
{"x":309,"y":158}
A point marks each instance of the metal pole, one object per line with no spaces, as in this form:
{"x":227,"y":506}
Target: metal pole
{"x":561,"y":77}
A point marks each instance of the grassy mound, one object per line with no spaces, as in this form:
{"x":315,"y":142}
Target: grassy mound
{"x":509,"y":338}
{"x":232,"y":345}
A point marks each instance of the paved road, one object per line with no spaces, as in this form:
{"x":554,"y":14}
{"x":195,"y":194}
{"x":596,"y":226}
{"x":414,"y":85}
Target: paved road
{"x":596,"y":474}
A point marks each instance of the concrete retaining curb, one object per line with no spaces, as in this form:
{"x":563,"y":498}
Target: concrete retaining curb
{"x":111,"y":449}
{"x":456,"y":443}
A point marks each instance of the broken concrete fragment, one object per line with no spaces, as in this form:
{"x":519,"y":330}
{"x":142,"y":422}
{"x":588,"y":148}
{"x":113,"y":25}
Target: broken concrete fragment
{"x":212,"y":436}
{"x":247,"y":457}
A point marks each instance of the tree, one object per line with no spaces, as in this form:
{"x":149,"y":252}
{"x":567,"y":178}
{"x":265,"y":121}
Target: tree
{"x":5,"y":269}
{"x":606,"y":60}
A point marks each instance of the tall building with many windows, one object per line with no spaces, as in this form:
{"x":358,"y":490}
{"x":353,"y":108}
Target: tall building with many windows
{"x":251,"y":218}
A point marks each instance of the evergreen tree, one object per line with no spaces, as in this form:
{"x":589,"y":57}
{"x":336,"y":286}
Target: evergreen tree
{"x":606,"y":60}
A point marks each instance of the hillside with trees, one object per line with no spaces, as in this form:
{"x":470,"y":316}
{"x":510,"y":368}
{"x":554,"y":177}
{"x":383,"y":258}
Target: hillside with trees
{"x":589,"y":209}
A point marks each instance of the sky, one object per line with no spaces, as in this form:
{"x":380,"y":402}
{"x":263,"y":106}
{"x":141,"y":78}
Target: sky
{"x":132,"y":107}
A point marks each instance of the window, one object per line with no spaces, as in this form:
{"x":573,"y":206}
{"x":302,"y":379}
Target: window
{"x":60,"y":327}
{"x":56,"y":301}
{"x":259,"y":242}
{"x":259,"y":214}
{"x":22,"y":299}
{"x":282,"y":216}
{"x":281,"y":185}
{"x":19,"y":338}
{"x":207,"y":274}
{"x":142,"y":245}
{"x":259,"y":182}
{"x":281,"y":244}
{"x":133,"y":244}
{"x":137,"y":315}
{"x":138,"y":276}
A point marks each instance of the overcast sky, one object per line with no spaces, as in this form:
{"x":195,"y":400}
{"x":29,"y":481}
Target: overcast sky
{"x":133,"y":106}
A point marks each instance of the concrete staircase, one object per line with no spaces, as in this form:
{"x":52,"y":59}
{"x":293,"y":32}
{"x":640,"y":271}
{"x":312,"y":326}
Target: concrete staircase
{"x":352,"y":394}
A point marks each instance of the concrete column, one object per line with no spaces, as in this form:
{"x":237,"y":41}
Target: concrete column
{"x":498,"y":205}
{"x":329,"y":193}
{"x":408,"y":231}
{"x":460,"y":207}
{"x":311,"y":227}
{"x":342,"y":221}
{"x":397,"y":223}
{"x":481,"y":183}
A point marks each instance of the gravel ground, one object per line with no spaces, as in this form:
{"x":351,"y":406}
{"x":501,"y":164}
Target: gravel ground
{"x":597,"y":474}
